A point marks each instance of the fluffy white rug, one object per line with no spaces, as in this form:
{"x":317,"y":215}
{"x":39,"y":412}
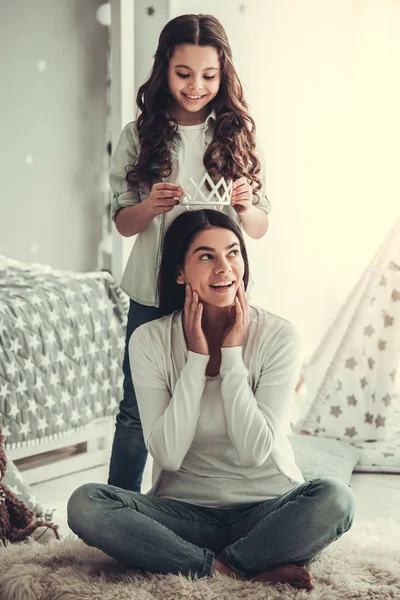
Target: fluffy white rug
{"x":363,"y":565}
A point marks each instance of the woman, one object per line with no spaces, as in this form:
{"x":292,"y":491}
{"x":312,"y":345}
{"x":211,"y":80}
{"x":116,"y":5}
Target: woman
{"x":213,"y":384}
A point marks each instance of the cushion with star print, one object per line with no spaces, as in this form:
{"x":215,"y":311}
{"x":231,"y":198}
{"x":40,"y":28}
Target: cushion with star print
{"x":15,"y":481}
{"x":317,"y":456}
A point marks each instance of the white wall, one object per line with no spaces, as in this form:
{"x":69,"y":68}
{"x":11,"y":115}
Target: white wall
{"x":53,"y":73}
{"x":322,"y":81}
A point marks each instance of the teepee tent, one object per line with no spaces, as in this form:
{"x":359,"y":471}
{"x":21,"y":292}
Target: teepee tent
{"x":350,"y":381}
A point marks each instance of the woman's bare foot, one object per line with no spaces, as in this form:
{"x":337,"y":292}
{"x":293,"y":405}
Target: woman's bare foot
{"x":221,"y":567}
{"x":298,"y":577}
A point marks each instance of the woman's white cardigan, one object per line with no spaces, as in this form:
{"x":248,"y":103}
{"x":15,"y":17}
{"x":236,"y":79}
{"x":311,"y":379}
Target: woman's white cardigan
{"x":257,"y":382}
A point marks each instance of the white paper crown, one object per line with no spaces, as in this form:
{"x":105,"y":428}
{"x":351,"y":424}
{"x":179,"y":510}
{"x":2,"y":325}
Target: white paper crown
{"x":219,"y":194}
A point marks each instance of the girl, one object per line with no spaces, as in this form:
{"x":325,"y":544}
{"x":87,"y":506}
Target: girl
{"x":193,"y":119}
{"x":213,"y":384}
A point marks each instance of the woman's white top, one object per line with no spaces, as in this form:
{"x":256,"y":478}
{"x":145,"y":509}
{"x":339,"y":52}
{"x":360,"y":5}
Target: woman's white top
{"x":217,"y":441}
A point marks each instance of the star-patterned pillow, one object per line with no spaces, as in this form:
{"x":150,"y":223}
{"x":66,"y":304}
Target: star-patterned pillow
{"x":317,"y":456}
{"x":14,"y":480}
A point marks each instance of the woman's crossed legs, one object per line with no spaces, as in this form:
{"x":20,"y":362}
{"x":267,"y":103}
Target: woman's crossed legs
{"x":270,"y":540}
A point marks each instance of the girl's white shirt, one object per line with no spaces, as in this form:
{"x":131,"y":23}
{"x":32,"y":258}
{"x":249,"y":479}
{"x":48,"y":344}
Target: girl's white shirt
{"x":217,"y":441}
{"x":189,"y":164}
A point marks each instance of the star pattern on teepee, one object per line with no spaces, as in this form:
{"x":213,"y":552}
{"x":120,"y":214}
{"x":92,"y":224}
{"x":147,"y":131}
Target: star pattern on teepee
{"x":388,"y":320}
{"x":369,"y":330}
{"x":369,"y":417}
{"x":350,"y":432}
{"x":336,"y":411}
{"x":382,"y":345}
{"x":351,"y":400}
{"x":380,"y":421}
{"x":351,"y":363}
{"x":366,"y":359}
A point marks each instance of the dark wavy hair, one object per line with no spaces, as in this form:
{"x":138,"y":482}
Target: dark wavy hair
{"x":177,"y":240}
{"x":232,"y":151}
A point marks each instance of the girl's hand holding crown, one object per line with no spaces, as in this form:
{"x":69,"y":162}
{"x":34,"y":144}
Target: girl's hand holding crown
{"x":163,"y":197}
{"x":242,"y":195}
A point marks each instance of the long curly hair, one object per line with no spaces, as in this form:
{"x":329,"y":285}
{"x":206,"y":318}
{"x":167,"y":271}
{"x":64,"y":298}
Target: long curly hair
{"x":232,"y":151}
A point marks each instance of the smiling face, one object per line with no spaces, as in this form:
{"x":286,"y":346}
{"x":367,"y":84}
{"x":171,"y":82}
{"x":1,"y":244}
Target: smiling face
{"x":193,"y":80}
{"x":214,"y":266}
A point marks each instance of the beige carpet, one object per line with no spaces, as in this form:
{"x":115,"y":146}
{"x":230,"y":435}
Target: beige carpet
{"x":363,"y":565}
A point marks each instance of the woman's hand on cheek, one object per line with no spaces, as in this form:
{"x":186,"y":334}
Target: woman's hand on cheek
{"x":242,"y":195}
{"x":237,"y":331}
{"x":192,"y":313}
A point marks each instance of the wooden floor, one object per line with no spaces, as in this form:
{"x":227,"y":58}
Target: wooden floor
{"x":377,"y":495}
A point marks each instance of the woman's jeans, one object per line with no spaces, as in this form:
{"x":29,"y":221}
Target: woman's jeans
{"x":159,"y":535}
{"x":129,"y":454}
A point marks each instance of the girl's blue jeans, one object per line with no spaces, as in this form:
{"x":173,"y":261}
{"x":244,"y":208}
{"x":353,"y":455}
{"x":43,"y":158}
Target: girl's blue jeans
{"x":129,"y":454}
{"x":160,"y":535}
